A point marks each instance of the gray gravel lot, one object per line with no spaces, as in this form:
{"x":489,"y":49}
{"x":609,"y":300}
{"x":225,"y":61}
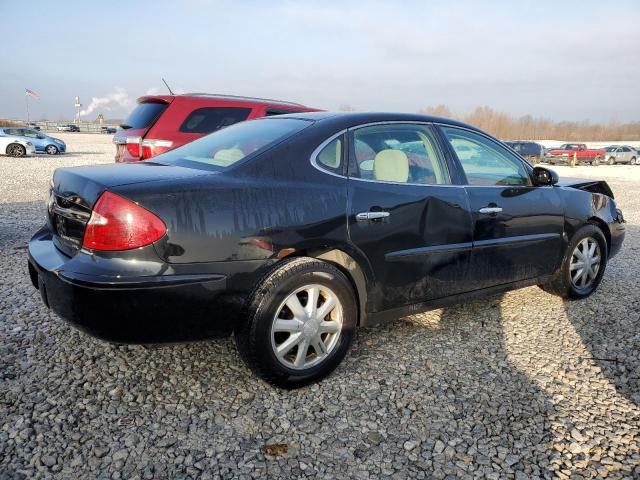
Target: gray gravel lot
{"x":520,"y":386}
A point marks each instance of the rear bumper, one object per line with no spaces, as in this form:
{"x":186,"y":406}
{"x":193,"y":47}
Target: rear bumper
{"x":134,"y":309}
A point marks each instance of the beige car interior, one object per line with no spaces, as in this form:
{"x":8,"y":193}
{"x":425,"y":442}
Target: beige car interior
{"x":391,"y":166}
{"x":228,"y":156}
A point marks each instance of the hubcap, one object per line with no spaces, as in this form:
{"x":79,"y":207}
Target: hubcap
{"x":306,"y":327}
{"x":585,"y":263}
{"x":51,"y":149}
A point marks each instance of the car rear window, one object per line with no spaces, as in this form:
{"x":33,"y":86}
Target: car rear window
{"x":230,"y":145}
{"x":144,"y":115}
{"x":207,"y":120}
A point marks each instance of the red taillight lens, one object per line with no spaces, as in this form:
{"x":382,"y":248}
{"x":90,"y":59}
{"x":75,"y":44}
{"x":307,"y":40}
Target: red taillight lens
{"x":133,"y":149}
{"x":153,"y":148}
{"x":120,"y":224}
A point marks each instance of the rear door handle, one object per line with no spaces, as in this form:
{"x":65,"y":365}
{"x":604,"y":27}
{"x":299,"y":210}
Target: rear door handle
{"x":490,"y":210}
{"x":364,"y":216}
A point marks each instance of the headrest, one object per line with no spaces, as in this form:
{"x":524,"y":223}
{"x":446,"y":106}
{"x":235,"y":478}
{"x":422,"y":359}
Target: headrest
{"x":391,"y":166}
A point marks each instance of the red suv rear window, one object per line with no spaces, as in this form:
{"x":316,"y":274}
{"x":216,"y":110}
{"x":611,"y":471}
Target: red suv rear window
{"x":207,"y":120}
{"x":144,"y":115}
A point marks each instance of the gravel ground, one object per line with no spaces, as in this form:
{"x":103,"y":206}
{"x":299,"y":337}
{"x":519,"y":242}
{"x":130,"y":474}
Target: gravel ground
{"x":518,"y":386}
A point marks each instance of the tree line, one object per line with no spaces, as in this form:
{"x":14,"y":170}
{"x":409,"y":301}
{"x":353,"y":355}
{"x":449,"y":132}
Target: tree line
{"x":527,"y":127}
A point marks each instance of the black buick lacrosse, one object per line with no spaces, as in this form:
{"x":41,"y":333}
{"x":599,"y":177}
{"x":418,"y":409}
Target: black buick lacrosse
{"x":290,"y":232}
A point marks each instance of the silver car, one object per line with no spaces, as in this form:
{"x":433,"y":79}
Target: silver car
{"x":621,"y":154}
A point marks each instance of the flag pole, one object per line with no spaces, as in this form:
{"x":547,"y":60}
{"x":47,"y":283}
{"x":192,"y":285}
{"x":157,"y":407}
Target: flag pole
{"x":26,"y":99}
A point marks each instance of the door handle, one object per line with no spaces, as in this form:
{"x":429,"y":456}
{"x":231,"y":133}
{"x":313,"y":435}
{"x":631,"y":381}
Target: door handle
{"x":490,"y":210}
{"x":365,"y":216}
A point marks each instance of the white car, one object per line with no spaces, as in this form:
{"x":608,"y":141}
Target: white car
{"x":15,"y":147}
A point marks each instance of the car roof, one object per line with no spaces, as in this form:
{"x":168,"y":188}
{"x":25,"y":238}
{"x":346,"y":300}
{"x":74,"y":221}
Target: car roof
{"x":349,"y":119}
{"x":222,"y":97}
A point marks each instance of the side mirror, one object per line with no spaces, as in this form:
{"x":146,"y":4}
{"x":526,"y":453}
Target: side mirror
{"x":543,"y":176}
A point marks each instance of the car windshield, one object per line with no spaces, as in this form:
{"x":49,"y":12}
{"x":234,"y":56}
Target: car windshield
{"x":228,"y":146}
{"x":610,"y":149}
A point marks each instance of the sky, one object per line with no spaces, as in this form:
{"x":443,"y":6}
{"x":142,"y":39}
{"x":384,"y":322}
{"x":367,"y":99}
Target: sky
{"x":562,"y":60}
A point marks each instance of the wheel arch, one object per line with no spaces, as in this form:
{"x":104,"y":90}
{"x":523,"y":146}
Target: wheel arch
{"x":602,"y":225}
{"x":352,"y":268}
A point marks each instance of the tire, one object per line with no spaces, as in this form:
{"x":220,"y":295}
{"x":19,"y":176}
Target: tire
{"x":633,"y":161}
{"x":258,"y":338}
{"x":51,"y":150}
{"x":612,"y":161}
{"x":595,"y":162}
{"x":16,"y":150}
{"x":563,"y":283}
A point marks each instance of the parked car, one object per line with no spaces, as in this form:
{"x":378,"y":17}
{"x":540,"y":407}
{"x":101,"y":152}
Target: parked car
{"x":620,"y":154}
{"x":41,"y":142}
{"x":108,"y":130}
{"x":33,"y":126}
{"x":68,"y":128}
{"x":531,"y":151}
{"x":160,"y":123}
{"x":15,"y":147}
{"x":566,"y":152}
{"x":291,"y":231}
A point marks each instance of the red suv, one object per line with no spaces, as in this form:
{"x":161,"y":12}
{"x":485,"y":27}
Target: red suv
{"x":162,"y":122}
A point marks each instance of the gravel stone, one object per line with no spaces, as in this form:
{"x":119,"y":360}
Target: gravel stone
{"x":521,"y":385}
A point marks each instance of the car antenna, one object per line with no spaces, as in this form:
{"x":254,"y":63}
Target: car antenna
{"x":168,"y":87}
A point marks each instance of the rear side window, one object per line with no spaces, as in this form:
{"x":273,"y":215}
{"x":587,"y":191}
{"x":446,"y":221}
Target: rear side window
{"x":330,"y":157}
{"x":207,"y":120}
{"x":398,"y":153}
{"x":144,"y":115}
{"x":230,"y":145}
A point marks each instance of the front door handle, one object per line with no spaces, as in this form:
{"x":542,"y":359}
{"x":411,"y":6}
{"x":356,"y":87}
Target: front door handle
{"x":365,"y":216}
{"x":490,"y":210}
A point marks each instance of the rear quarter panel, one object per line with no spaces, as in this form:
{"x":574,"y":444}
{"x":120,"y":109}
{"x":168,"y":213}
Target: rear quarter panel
{"x":276,"y":201}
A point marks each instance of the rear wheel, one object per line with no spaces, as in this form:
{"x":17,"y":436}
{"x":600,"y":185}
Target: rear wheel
{"x":16,"y":150}
{"x":51,"y":149}
{"x":595,"y":162}
{"x":299,"y":323}
{"x":582,"y":267}
{"x":633,"y":161}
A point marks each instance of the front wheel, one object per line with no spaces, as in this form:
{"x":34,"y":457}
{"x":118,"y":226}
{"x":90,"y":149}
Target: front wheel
{"x":612,"y":161}
{"x":582,"y":267}
{"x":633,"y":161}
{"x":16,"y":150}
{"x":51,"y":150}
{"x":299,"y":323}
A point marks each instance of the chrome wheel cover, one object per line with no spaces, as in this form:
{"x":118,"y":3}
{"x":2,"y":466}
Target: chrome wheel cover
{"x":585,"y":263}
{"x":307,"y":327}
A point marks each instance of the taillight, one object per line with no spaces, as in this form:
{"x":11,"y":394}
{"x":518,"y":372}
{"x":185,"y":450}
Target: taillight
{"x":120,"y":224}
{"x":132,"y":144}
{"x":153,"y":148}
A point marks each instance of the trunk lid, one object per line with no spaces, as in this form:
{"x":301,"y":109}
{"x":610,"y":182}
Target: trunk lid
{"x":75,"y":190}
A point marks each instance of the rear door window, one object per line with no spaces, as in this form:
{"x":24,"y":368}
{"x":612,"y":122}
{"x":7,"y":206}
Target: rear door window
{"x":207,"y":120}
{"x":144,"y":115}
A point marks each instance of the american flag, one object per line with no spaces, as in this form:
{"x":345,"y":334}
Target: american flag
{"x":31,"y":93}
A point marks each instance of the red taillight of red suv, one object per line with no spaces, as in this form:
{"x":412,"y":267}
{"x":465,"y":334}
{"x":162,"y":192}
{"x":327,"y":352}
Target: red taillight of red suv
{"x":120,"y":224}
{"x":153,"y":148}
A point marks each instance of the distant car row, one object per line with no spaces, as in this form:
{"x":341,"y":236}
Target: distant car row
{"x":564,"y":154}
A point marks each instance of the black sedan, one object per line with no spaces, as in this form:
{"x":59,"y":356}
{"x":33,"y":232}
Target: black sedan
{"x":291,"y":231}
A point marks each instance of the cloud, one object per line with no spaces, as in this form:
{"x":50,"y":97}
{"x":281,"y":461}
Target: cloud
{"x":118,"y":99}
